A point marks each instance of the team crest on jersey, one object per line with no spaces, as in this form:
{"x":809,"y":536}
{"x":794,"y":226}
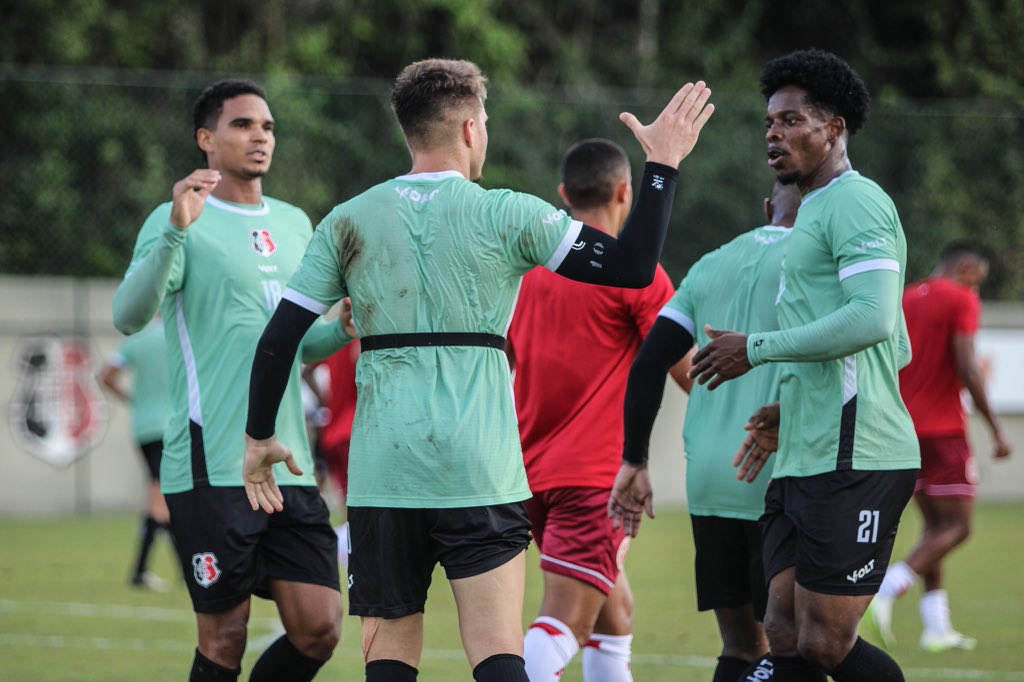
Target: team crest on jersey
{"x":205,"y":568}
{"x":262,"y":243}
{"x":57,"y":412}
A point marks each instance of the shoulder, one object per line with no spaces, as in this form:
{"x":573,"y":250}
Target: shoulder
{"x":853,"y":191}
{"x":285,"y":211}
{"x":159,"y":216}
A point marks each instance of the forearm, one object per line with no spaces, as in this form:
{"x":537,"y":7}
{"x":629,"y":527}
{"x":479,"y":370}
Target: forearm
{"x":666,"y":344}
{"x":138,"y":296}
{"x":631,"y":260}
{"x":867,"y":318}
{"x":975,"y":385}
{"x":324,"y":339}
{"x":272,"y":366}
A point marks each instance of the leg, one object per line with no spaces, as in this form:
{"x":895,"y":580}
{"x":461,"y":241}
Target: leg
{"x":311,"y":615}
{"x":607,"y":656}
{"x":222,"y":638}
{"x":786,"y":664}
{"x":490,"y":610}
{"x":393,"y":639}
{"x":947,"y":524}
{"x":742,"y":636}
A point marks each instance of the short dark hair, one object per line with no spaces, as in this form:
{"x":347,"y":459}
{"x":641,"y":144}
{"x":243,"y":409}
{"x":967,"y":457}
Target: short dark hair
{"x":427,"y":90}
{"x":210,"y":103}
{"x":954,"y":251}
{"x":590,"y":170}
{"x":830,"y":83}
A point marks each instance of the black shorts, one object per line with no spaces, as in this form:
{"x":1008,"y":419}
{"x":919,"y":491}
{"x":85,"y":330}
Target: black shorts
{"x":394,"y":551}
{"x":836,"y":528}
{"x":152,"y":452}
{"x":229,"y":552}
{"x":728,"y":564}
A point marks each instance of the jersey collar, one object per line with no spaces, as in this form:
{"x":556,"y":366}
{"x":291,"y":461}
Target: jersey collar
{"x":262,"y":209}
{"x":431,"y":177}
{"x":831,"y":182}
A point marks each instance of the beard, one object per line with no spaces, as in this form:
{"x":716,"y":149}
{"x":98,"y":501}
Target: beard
{"x":789,"y":178}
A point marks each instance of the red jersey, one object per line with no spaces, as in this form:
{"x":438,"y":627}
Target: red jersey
{"x":936,"y":309}
{"x":342,"y":398}
{"x":573,"y":346}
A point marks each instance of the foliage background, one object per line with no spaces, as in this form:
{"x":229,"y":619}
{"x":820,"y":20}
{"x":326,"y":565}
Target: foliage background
{"x":95,"y":95}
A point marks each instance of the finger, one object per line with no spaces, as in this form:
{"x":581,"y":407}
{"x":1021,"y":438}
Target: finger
{"x":649,"y":507}
{"x":718,"y":381}
{"x":745,"y":449}
{"x":700,"y":358}
{"x":261,"y":498}
{"x":705,"y":114}
{"x":250,"y":492}
{"x":292,"y":465}
{"x":699,"y":368}
{"x":679,"y":98}
{"x":275,"y":493}
{"x":695,"y":103}
{"x":758,"y":464}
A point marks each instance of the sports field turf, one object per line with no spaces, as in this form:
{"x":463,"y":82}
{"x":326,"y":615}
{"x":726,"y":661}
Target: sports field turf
{"x":66,"y":612}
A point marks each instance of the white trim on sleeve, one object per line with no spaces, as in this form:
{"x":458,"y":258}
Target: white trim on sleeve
{"x":868,"y":266}
{"x":306,"y":302}
{"x":570,"y":239}
{"x":679,"y":318}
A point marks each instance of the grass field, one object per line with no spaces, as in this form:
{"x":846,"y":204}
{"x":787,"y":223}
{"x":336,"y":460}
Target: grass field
{"x":66,"y":612}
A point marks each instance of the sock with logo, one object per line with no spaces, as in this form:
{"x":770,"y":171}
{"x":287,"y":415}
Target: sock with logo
{"x":935,"y":612}
{"x":606,"y":658}
{"x":149,"y":528}
{"x":205,"y":670}
{"x":898,"y":579}
{"x":796,"y":669}
{"x":283,"y":661}
{"x":761,"y":669}
{"x":729,"y":669}
{"x":501,"y":668}
{"x":387,"y":670}
{"x":548,"y":647}
{"x":867,"y":663}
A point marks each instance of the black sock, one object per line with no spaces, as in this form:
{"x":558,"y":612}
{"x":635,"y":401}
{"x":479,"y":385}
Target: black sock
{"x":761,"y":669}
{"x":867,"y":663}
{"x":205,"y":670}
{"x":387,"y":670}
{"x":796,"y":669}
{"x":501,"y":668}
{"x":282,"y":661}
{"x":729,"y":669}
{"x":149,"y":527}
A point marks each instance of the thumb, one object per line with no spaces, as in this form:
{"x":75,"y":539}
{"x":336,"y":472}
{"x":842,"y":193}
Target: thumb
{"x":292,"y":465}
{"x":712,"y":333}
{"x":632,"y":123}
{"x":649,"y":506}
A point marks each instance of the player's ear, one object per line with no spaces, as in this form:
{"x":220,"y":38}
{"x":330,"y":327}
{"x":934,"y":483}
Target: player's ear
{"x":469,"y":131}
{"x":836,"y":128}
{"x":624,"y":191}
{"x":204,"y":138}
{"x":564,"y":194}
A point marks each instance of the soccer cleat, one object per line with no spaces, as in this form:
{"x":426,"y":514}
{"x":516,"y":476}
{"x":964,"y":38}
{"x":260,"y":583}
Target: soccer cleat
{"x":946,"y":641}
{"x":150,"y":581}
{"x":880,"y":615}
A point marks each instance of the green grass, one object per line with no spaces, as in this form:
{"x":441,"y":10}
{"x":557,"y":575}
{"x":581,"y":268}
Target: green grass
{"x":66,"y":612}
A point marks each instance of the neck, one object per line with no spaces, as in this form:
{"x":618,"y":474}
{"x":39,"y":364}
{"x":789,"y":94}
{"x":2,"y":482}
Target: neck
{"x":832,"y":166}
{"x":239,"y":190}
{"x":605,"y":218}
{"x":438,"y":160}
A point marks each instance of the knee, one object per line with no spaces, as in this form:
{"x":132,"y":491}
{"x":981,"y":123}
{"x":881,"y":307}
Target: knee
{"x":225,"y":644}
{"x":963,"y":531}
{"x":318,"y":638}
{"x":826,"y":652}
{"x":781,"y":633}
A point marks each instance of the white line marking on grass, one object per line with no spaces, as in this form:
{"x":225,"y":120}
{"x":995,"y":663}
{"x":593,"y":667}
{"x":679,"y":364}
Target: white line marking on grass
{"x":114,"y":611}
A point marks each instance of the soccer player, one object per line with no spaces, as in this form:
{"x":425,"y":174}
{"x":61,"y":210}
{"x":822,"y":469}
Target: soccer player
{"x":733,"y":287}
{"x":433,"y":263}
{"x":943,"y":313}
{"x":571,"y":429}
{"x":215,"y":260}
{"x":144,"y":356}
{"x":848,"y":457}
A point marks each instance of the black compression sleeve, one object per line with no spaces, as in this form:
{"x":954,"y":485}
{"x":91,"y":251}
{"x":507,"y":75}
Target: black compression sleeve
{"x":272,"y":366}
{"x":631,"y":260}
{"x":665,"y":345}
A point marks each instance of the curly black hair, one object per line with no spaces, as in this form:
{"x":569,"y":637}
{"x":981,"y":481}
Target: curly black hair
{"x":831,"y":84}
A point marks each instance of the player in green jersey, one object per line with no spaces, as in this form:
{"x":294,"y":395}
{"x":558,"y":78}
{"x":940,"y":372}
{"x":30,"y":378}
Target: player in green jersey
{"x":215,"y":261}
{"x":733,"y":287}
{"x":848,"y":457}
{"x":144,"y":357}
{"x":433,"y":262}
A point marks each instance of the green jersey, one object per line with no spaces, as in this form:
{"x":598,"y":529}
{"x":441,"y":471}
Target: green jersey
{"x":221,"y":280}
{"x":733,"y":287}
{"x":145,"y":355}
{"x":841,"y":408}
{"x":435,"y":426}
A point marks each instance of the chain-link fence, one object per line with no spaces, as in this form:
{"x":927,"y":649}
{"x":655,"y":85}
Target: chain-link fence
{"x":87,"y":154}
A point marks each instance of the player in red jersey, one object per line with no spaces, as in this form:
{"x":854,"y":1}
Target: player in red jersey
{"x":942,"y":315}
{"x":570,"y":421}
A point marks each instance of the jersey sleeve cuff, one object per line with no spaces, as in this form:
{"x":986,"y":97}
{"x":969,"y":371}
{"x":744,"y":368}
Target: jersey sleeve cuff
{"x":756,"y":349}
{"x":172,"y":235}
{"x":304,"y":301}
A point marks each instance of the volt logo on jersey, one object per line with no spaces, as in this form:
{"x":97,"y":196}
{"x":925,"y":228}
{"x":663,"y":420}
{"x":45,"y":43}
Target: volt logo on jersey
{"x":205,"y":568}
{"x":263,"y":243}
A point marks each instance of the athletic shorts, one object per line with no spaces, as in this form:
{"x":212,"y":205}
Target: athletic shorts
{"x":947,"y":468}
{"x":229,"y":552}
{"x":152,"y":453}
{"x":728,"y":564}
{"x":836,"y":528}
{"x":394,"y":551}
{"x":575,"y":536}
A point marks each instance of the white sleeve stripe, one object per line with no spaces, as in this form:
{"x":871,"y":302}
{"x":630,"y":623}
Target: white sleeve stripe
{"x":680,"y":319}
{"x":306,"y":302}
{"x":868,"y":266}
{"x":572,"y":233}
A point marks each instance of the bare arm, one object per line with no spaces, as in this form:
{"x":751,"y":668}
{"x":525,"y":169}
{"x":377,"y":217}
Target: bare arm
{"x":970,"y":374}
{"x":110,"y":377}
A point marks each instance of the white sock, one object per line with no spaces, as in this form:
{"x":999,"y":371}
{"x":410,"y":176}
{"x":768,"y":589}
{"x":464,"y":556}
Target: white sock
{"x":344,"y":544}
{"x":606,"y":658}
{"x":898,"y":579}
{"x":548,"y":647}
{"x":935,"y":612}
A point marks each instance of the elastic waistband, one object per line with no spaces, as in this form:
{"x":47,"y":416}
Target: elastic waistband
{"x":381,"y":341}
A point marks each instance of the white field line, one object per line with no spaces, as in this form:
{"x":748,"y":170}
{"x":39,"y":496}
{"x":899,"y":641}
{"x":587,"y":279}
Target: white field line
{"x":154,"y":614}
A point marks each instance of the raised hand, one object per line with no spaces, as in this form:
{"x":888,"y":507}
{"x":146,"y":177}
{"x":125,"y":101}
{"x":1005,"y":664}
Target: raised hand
{"x":189,"y":196}
{"x":631,"y":496}
{"x":671,"y":137}
{"x":258,"y":474}
{"x":723,"y":359}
